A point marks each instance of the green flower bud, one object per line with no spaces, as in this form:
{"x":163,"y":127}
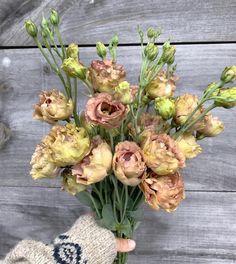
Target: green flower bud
{"x":229,"y":74}
{"x":101,"y":50}
{"x":146,"y":99}
{"x":151,"y":51}
{"x":165,"y":107}
{"x":226,"y":98}
{"x":31,"y":28}
{"x":74,"y":69}
{"x":168,"y":55}
{"x":115,"y":40}
{"x":72,"y":51}
{"x":151,"y":33}
{"x":45,"y":28}
{"x":123,"y":92}
{"x":54,"y":18}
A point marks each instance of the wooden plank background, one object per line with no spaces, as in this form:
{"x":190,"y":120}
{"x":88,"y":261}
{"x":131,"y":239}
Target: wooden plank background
{"x":203,"y":229}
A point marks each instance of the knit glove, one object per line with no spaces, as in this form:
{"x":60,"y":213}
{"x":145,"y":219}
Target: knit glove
{"x":84,"y":243}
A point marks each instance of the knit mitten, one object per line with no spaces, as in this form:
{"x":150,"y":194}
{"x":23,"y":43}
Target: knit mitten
{"x":84,"y":243}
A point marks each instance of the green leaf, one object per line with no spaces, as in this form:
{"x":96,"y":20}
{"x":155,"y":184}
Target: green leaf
{"x":126,"y":228}
{"x":84,"y":198}
{"x":108,"y":220}
{"x":137,"y":214}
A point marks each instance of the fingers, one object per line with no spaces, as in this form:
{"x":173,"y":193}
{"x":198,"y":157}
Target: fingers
{"x":125,"y":245}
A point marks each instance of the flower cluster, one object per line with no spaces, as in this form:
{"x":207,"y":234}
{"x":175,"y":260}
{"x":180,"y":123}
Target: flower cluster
{"x":131,"y":141}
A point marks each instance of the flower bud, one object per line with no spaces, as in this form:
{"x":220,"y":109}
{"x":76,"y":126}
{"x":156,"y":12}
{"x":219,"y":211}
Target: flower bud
{"x":54,"y":18}
{"x":151,"y":51}
{"x":212,"y":127}
{"x":45,"y":28}
{"x":101,"y":50}
{"x":125,"y":92}
{"x":168,"y":55}
{"x":69,"y":183}
{"x":165,"y":107}
{"x":226,"y":98}
{"x":151,"y":33}
{"x":72,"y":51}
{"x":74,"y":68}
{"x":31,"y":28}
{"x":229,"y":74}
{"x":115,"y":40}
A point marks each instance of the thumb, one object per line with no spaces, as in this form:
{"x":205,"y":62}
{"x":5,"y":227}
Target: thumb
{"x":125,"y":245}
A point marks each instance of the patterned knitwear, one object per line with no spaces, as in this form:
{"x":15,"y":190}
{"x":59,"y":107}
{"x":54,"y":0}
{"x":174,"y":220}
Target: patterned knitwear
{"x":84,"y":243}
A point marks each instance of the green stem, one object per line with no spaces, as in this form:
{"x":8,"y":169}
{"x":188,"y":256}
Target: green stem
{"x":75,"y":103}
{"x":61,"y":42}
{"x":126,"y":202}
{"x":94,"y":204}
{"x":112,"y":141}
{"x":99,"y":194}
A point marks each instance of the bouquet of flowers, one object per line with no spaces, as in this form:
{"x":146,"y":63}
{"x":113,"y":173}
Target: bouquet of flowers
{"x":130,"y":142}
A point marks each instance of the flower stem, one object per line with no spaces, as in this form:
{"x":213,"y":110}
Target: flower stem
{"x":61,"y":42}
{"x":75,"y":103}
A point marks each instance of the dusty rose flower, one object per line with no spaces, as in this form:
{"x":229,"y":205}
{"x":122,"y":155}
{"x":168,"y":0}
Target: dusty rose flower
{"x":161,"y":86}
{"x":103,"y":110}
{"x":184,"y":106}
{"x":162,"y":154}
{"x":95,"y":166}
{"x":69,"y":144}
{"x":105,"y":75}
{"x":213,"y":127}
{"x":188,"y":145}
{"x":53,"y":106}
{"x":150,"y":121}
{"x":42,"y":165}
{"x":69,"y":183}
{"x":164,"y":192}
{"x":128,"y":163}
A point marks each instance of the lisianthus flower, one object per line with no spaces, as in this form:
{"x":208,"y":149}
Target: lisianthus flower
{"x":161,"y":86}
{"x":164,"y":192}
{"x":42,"y":165}
{"x":162,"y":154}
{"x":69,"y":144}
{"x":106,"y":75}
{"x":103,"y":110}
{"x":128,"y":163}
{"x":53,"y":106}
{"x":95,"y":166}
{"x":188,"y":145}
{"x":212,"y":127}
{"x":125,"y":92}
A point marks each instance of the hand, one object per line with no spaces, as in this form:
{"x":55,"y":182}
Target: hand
{"x":125,"y":245}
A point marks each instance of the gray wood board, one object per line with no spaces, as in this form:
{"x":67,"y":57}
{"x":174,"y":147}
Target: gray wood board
{"x":27,"y":74}
{"x":202,"y":230}
{"x":88,"y":21}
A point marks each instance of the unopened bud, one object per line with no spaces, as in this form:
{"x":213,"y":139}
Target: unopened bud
{"x":151,"y":51}
{"x":45,"y":28}
{"x":74,"y":69}
{"x":229,"y":74}
{"x":168,"y":55}
{"x":72,"y":51}
{"x":54,"y":18}
{"x":31,"y":28}
{"x":165,"y":107}
{"x":226,"y":98}
{"x":101,"y":50}
{"x":151,"y":33}
{"x":115,"y":40}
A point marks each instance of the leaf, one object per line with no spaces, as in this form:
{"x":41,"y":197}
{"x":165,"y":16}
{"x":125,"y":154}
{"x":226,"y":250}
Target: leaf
{"x":84,"y":198}
{"x":108,"y":219}
{"x":126,"y":228}
{"x":137,"y":214}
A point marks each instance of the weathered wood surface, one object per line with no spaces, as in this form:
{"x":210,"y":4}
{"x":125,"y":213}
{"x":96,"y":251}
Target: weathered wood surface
{"x":200,"y":231}
{"x":86,"y":21}
{"x":27,"y":74}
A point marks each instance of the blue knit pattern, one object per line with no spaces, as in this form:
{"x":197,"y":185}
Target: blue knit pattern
{"x":67,"y":252}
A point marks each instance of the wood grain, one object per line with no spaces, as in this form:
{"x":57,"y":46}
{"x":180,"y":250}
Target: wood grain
{"x":88,"y":21}
{"x":28,"y":74}
{"x":202,"y":230}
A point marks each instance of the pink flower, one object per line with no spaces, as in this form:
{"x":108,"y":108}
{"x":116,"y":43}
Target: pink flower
{"x":128,"y":164}
{"x":103,"y":110}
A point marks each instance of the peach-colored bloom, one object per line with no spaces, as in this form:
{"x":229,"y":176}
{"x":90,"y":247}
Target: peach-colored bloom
{"x":103,"y":110}
{"x":161,"y":86}
{"x":128,"y":164}
{"x":105,"y":75}
{"x":95,"y":166}
{"x":53,"y":106}
{"x":162,"y":154}
{"x":164,"y":192}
